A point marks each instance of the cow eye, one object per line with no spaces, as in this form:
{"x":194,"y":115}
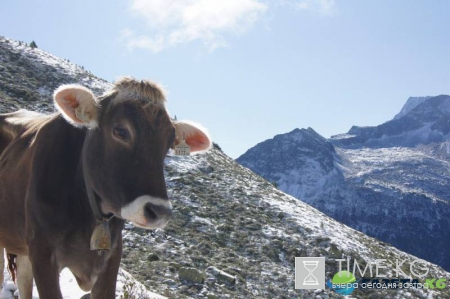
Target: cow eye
{"x":120,"y":132}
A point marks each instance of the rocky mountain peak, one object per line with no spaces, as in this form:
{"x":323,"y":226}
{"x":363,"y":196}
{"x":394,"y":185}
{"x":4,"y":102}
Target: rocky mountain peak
{"x":288,"y":150}
{"x":421,"y":121}
{"x":410,"y":104}
{"x":431,"y":109}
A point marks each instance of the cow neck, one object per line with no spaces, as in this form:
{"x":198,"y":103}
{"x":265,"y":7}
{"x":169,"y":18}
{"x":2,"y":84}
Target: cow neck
{"x":92,"y":196}
{"x":101,"y":236}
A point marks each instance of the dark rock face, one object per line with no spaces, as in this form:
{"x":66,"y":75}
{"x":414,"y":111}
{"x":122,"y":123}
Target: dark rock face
{"x":391,"y":181}
{"x":278,"y":160}
{"x":285,"y":149}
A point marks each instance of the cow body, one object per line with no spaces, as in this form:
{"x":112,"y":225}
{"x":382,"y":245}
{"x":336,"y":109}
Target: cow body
{"x":117,"y":146}
{"x":61,"y":222}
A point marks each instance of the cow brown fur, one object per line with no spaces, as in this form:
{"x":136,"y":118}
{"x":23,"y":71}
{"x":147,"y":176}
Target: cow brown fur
{"x":120,"y":139}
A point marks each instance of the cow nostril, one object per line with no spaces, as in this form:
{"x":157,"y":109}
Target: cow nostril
{"x":150,"y":211}
{"x":153,"y":212}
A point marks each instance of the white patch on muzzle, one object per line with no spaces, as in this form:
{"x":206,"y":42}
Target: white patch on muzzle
{"x":135,"y":212}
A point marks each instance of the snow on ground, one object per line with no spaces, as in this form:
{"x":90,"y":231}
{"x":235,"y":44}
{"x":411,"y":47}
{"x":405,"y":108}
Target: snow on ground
{"x":70,"y":289}
{"x":185,"y":164}
{"x":397,"y":169}
{"x":42,"y":58}
{"x":368,"y":160}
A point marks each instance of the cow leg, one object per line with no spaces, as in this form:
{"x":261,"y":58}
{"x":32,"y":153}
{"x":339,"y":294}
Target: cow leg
{"x":45,"y":271}
{"x":105,"y":287}
{"x":24,"y":277}
{"x":2,"y":266}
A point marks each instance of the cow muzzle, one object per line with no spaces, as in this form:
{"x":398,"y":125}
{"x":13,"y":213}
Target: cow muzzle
{"x":148,"y":212}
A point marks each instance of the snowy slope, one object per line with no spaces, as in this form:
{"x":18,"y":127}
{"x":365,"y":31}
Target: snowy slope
{"x":31,"y":75}
{"x":70,"y":289}
{"x":227,"y":217}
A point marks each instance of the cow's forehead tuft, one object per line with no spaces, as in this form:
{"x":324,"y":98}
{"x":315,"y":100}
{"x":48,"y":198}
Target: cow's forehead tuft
{"x":143,"y":90}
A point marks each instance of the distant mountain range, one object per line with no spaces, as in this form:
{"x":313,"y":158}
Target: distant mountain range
{"x":390,"y":181}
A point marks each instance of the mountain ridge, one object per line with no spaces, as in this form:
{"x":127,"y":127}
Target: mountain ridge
{"x":383,"y":179}
{"x":427,"y":121}
{"x":411,"y":103}
{"x":30,"y":75}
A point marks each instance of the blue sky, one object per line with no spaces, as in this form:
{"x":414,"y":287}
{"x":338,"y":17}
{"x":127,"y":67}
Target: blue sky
{"x":251,"y":69}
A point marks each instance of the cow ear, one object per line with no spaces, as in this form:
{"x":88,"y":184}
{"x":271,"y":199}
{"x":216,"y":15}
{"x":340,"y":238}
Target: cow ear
{"x":77,"y":104}
{"x":194,"y":134}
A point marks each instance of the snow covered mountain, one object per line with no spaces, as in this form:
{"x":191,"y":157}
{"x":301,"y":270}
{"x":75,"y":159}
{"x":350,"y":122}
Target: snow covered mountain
{"x":29,"y":76}
{"x":421,"y":121}
{"x":411,"y":103}
{"x":391,"y":181}
{"x":232,"y":233}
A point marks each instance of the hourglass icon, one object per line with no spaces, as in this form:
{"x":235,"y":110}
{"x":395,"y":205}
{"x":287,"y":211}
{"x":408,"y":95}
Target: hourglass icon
{"x":310,"y":279}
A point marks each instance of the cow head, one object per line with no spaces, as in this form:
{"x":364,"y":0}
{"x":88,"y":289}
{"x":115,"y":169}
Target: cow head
{"x":129,"y":137}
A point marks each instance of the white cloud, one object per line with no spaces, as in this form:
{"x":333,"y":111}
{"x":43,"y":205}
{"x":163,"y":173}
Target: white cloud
{"x":327,"y":7}
{"x":173,"y":22}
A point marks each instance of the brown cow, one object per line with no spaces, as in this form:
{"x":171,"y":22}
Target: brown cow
{"x":66,"y":177}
